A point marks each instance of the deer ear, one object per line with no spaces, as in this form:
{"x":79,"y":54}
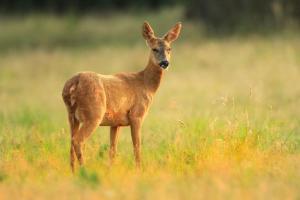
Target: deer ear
{"x":148,"y":32}
{"x":173,"y":33}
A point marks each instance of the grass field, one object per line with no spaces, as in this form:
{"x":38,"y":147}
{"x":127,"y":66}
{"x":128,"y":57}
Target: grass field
{"x":225,"y":123}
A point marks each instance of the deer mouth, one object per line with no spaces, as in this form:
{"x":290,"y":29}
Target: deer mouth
{"x":164,"y":64}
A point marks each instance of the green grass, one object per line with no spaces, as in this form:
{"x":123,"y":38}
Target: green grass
{"x":223,"y":125}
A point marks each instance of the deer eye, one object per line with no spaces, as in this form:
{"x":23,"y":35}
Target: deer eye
{"x":168,"y":49}
{"x":155,"y":50}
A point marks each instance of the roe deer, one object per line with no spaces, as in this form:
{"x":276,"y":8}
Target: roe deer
{"x":123,"y":99}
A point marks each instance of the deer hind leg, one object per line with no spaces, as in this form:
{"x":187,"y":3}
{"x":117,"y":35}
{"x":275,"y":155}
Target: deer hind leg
{"x":90,"y":119}
{"x":74,"y":126}
{"x":85,"y":130}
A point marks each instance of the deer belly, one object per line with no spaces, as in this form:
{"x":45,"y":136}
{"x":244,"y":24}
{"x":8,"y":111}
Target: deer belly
{"x":115,"y":119}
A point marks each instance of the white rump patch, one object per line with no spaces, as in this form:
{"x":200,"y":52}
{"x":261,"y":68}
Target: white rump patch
{"x":72,"y":89}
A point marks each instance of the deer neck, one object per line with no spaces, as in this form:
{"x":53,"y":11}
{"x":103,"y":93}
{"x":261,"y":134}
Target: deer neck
{"x":152,"y":76}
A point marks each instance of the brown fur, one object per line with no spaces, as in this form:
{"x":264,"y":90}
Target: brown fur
{"x":115,"y":100}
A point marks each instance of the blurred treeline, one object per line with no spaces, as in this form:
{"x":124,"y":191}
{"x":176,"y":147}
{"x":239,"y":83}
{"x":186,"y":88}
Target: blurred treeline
{"x":80,"y":6}
{"x":244,"y":14}
{"x":215,"y":14}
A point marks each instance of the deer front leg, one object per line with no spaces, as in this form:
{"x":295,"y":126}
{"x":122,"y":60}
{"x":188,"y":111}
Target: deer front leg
{"x":114,"y":136}
{"x":136,"y":124}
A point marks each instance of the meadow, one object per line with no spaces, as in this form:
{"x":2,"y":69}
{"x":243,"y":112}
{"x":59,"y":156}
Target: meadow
{"x":224,"y":124}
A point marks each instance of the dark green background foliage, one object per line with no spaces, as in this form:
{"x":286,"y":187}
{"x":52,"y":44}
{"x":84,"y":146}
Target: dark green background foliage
{"x":62,"y":6}
{"x":229,"y":14}
{"x":215,"y":14}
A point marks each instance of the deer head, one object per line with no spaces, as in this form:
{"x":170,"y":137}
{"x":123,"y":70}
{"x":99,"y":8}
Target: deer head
{"x":160,"y":47}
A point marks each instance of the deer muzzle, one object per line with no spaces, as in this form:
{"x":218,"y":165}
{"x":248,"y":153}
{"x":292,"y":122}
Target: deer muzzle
{"x":164,"y":64}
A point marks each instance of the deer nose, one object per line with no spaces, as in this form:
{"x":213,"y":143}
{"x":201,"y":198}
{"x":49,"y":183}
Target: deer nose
{"x":164,"y":64}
